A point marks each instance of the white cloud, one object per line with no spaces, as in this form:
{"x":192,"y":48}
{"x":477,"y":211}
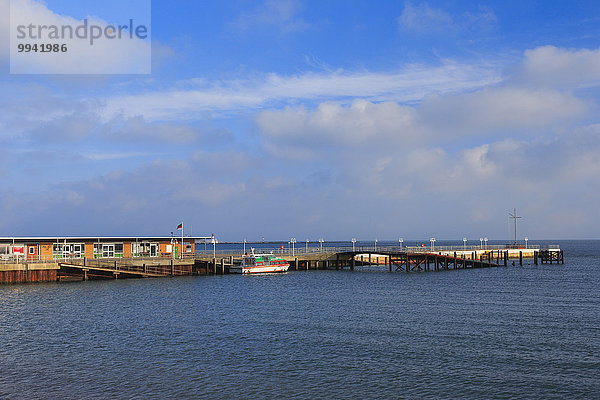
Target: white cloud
{"x":410,"y":84}
{"x":499,"y":110}
{"x":557,"y":67}
{"x":423,"y":19}
{"x":336,"y":125}
{"x":279,"y":13}
{"x":4,"y":29}
{"x":104,"y":57}
{"x":365,"y":125}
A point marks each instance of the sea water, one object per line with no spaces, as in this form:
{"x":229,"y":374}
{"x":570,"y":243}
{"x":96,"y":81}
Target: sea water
{"x":507,"y":332}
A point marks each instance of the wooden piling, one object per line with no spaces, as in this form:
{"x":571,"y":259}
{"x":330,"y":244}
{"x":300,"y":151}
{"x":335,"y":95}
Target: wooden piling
{"x":521,"y":258}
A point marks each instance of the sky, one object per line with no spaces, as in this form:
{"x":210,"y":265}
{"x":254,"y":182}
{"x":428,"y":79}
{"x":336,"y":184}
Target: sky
{"x":314,"y":119}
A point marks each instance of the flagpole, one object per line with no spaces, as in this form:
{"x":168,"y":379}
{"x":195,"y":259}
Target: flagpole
{"x":182,"y":229}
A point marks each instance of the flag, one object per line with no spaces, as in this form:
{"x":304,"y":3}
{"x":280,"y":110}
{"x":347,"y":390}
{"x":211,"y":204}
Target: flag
{"x":180,"y":226}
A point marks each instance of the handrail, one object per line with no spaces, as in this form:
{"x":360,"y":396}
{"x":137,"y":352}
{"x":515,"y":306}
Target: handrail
{"x":299,"y":251}
{"x":13,"y":259}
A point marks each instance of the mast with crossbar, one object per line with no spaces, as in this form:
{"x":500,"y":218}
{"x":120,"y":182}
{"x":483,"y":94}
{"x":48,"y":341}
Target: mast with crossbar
{"x":514,"y":217}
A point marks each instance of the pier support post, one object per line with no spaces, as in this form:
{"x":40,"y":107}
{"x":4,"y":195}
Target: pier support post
{"x":222,"y":266}
{"x":505,"y":256}
{"x":521,"y":258}
{"x":535,"y":257}
{"x":172,"y":268}
{"x":354,"y":262}
{"x":296,"y":263}
{"x":562,"y":257}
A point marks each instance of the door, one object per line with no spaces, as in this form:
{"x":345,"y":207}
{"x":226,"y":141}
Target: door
{"x":153,"y":250}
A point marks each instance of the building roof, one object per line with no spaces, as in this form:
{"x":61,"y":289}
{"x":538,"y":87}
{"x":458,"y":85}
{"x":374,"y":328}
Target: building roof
{"x":95,"y":238}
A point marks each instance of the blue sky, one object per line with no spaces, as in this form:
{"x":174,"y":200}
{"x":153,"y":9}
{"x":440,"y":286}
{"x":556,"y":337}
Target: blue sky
{"x":333,"y":119}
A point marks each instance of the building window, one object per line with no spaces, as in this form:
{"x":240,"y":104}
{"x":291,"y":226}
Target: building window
{"x":31,"y":250}
{"x":108,"y":250}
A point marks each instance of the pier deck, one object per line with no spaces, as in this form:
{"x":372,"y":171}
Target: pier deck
{"x":406,"y":260}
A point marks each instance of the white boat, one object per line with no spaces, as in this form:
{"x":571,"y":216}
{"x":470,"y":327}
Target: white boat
{"x":260,"y":264}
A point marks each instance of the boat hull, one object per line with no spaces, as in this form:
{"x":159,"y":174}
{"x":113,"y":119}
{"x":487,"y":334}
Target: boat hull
{"x":259,"y":270}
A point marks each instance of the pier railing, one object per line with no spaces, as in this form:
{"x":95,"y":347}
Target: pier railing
{"x":299,"y":251}
{"x":19,"y":259}
{"x":286,"y":252}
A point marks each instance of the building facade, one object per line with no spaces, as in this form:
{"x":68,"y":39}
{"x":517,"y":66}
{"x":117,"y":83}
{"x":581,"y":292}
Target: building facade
{"x":47,"y":248}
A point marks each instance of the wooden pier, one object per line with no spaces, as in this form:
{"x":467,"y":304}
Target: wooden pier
{"x":84,"y":269}
{"x":394,"y":259}
{"x":420,"y":262}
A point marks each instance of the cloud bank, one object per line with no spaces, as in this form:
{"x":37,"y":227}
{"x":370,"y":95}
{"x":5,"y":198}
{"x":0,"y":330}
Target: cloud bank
{"x":438,"y":148}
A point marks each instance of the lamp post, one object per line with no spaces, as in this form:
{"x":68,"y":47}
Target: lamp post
{"x":401,"y":240}
{"x":293,"y":240}
{"x":464,"y":243}
{"x":375,"y":244}
{"x":485,"y":240}
{"x":214,"y":243}
{"x":353,"y":241}
{"x":526,"y":239}
{"x":307,"y":245}
{"x":321,"y":244}
{"x":244,"y":246}
{"x":172,"y":251}
{"x":432,"y":240}
{"x":481,"y":243}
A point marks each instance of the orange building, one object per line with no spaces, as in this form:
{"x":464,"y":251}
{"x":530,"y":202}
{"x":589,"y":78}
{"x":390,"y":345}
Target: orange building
{"x":48,"y":248}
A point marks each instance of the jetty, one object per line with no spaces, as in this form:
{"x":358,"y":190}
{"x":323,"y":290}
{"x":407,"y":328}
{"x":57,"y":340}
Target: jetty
{"x":395,"y":258}
{"x":24,"y":260}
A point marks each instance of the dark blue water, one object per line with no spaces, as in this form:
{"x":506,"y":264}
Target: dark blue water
{"x":516,"y":332}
